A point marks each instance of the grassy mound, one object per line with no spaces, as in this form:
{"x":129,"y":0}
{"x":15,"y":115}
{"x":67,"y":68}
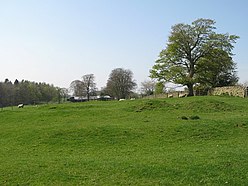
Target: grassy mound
{"x":141,"y":142}
{"x":153,"y":104}
{"x":204,"y":104}
{"x":208,"y":105}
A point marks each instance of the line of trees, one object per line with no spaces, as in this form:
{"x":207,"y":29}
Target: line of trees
{"x":27,"y":92}
{"x":120,"y":85}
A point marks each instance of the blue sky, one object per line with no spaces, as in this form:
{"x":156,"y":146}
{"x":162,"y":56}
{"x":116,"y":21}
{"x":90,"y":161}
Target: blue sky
{"x":58,"y":41}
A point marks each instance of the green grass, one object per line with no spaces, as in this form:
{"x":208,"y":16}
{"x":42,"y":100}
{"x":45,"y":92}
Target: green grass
{"x":141,"y":142}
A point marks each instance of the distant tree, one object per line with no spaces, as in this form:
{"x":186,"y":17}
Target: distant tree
{"x":24,"y":92}
{"x":77,"y":88}
{"x":16,"y":82}
{"x":7,"y":81}
{"x":2,"y":95}
{"x":59,"y":95}
{"x":49,"y":93}
{"x":64,"y":93}
{"x":120,"y":83}
{"x":16,"y":92}
{"x":9,"y":90}
{"x":192,"y":47}
{"x":159,"y":88}
{"x":89,"y":85}
{"x":35,"y":93}
{"x":85,"y":87}
{"x":244,"y":84}
{"x":103,"y":91}
{"x":148,"y":87}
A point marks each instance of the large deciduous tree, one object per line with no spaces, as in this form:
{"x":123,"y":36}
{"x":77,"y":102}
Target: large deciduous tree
{"x":120,"y":83}
{"x":196,"y":54}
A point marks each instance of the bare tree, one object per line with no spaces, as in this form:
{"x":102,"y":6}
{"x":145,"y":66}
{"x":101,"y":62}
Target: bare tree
{"x":245,"y":84}
{"x":85,"y":87}
{"x":89,"y":86}
{"x":77,"y":88}
{"x":148,"y":87}
{"x":120,"y":83}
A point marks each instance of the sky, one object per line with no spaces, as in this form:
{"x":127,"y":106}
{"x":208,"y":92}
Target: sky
{"x":59,"y":41}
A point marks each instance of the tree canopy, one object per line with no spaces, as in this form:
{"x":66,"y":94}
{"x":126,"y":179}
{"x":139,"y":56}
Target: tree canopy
{"x":85,"y":87}
{"x":120,"y":83}
{"x":197,"y":54}
{"x":26,"y":92}
{"x":148,"y":87}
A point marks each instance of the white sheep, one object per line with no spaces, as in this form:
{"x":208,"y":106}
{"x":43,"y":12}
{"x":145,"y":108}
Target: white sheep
{"x":182,"y":95}
{"x":20,"y":105}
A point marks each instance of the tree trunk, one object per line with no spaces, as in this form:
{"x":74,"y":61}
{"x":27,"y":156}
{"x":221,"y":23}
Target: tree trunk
{"x":191,"y":75}
{"x":191,"y":90}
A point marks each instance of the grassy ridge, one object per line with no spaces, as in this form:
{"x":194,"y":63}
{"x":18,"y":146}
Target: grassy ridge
{"x":141,"y":142}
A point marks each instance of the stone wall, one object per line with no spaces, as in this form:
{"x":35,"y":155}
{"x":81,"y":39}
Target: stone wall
{"x":238,"y":91}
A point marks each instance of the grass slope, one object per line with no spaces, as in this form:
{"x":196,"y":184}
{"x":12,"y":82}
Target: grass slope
{"x":188,"y":141}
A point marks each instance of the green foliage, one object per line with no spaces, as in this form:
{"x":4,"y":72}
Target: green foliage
{"x":159,"y":88}
{"x":192,"y":49}
{"x":216,"y":69}
{"x":26,"y":92}
{"x":110,"y":143}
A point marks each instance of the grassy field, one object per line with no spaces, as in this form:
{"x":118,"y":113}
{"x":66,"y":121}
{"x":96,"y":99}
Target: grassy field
{"x":187,"y":141}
